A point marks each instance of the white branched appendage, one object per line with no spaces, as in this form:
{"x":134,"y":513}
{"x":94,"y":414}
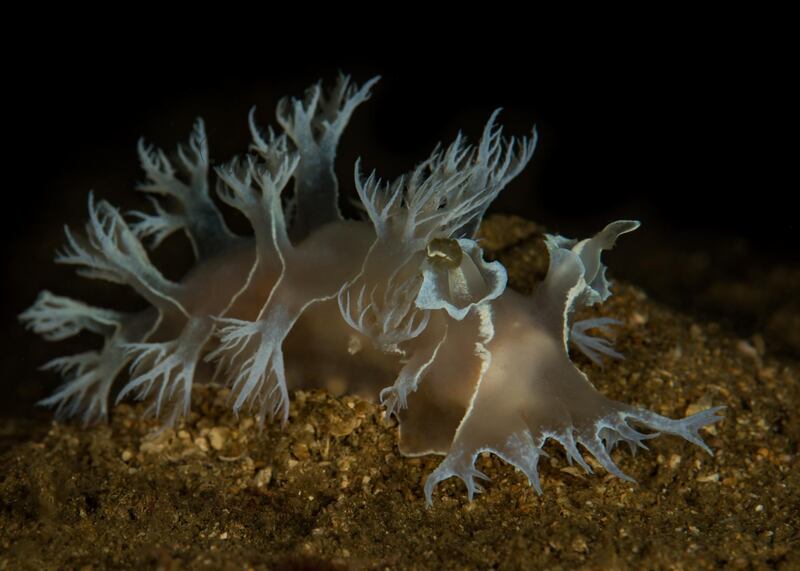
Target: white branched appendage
{"x":156,"y":227}
{"x":254,"y":188}
{"x":90,"y":374}
{"x":446,"y":195}
{"x":55,"y":317}
{"x":421,"y":355}
{"x":386,"y":313}
{"x":191,"y":206}
{"x":112,"y":252}
{"x":89,"y":377}
{"x":164,"y":372}
{"x":597,"y":290}
{"x":594,"y":347}
{"x":251,"y":352}
{"x":315,"y":124}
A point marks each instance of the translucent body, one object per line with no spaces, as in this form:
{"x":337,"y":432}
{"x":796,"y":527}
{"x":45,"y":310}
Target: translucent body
{"x":402,"y":305}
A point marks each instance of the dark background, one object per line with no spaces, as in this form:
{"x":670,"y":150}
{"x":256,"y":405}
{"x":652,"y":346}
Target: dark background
{"x":683,"y":129}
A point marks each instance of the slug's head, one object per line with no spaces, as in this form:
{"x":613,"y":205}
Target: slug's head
{"x":425,"y":257}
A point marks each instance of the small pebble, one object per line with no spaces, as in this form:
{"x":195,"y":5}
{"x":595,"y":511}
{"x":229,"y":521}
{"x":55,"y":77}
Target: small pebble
{"x":217,"y":437}
{"x":263,"y":477}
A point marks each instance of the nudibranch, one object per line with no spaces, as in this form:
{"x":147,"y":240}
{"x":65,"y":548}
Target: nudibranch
{"x":402,"y":302}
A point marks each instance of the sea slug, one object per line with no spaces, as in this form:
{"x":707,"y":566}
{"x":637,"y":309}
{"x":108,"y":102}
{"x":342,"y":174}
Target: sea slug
{"x":403,"y":301}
